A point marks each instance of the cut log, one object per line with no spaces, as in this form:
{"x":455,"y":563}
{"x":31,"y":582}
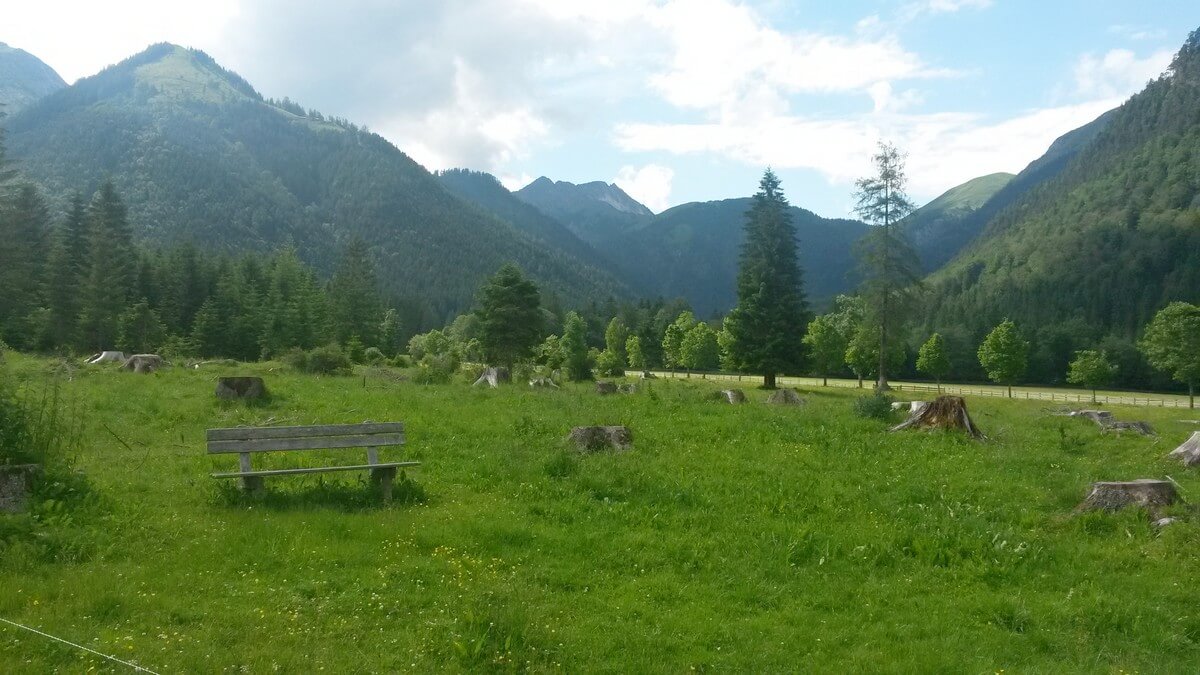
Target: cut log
{"x":595,"y":439}
{"x":234,"y":388}
{"x":786,"y":397}
{"x":143,"y":363}
{"x":944,"y":412}
{"x":1105,"y":420}
{"x":606,"y":388}
{"x":647,"y":375}
{"x":1189,"y":451}
{"x":543,"y":383}
{"x":731,"y":396}
{"x":1142,"y":428}
{"x":493,"y":376}
{"x":107,"y":357}
{"x":630,"y":388}
{"x":1145,"y":492}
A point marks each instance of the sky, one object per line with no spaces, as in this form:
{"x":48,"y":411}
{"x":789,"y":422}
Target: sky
{"x":673,"y":100}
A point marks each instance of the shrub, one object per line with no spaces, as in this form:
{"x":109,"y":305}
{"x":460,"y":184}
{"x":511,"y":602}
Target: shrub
{"x":374,"y":356}
{"x":354,"y":350}
{"x":436,"y":368}
{"x":402,"y":361}
{"x":328,"y":360}
{"x":296,"y":358}
{"x":876,"y":406}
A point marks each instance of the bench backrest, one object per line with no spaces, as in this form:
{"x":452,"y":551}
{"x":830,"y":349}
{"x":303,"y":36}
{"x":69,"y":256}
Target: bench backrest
{"x":326,"y":436}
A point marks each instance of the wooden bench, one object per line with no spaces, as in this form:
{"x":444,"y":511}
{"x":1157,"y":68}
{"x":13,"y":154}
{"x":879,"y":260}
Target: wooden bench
{"x":369,"y":435}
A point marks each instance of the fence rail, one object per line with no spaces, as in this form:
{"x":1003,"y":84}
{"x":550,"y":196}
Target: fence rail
{"x":1108,"y":398}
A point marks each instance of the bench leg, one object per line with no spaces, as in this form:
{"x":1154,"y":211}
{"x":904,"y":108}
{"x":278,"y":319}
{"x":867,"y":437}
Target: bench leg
{"x":384,"y":478}
{"x":253,"y":485}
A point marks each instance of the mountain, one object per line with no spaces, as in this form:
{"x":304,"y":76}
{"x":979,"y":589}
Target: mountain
{"x":485,"y":191}
{"x":24,"y":78}
{"x":935,"y":229}
{"x":199,"y":155}
{"x":692,"y":251}
{"x":596,"y":212}
{"x":957,"y":233}
{"x":1109,"y":239}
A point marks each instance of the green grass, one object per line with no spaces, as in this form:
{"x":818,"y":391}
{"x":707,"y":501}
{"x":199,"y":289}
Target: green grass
{"x":732,"y":538}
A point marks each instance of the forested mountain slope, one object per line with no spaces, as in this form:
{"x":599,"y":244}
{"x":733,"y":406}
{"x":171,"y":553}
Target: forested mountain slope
{"x":692,"y":251}
{"x":24,"y":78}
{"x":200,"y":156}
{"x":1106,"y":242}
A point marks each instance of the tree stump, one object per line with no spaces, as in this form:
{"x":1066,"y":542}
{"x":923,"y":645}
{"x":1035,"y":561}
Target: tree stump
{"x":1100,"y":417}
{"x":543,"y":383}
{"x":143,"y":363}
{"x":605,"y":388}
{"x":1142,"y":428}
{"x":1105,"y":420}
{"x":107,"y":357}
{"x":595,"y":439}
{"x":15,"y":483}
{"x":1189,"y":451}
{"x":731,"y":396}
{"x":786,"y":397}
{"x":234,"y":388}
{"x":1145,"y":492}
{"x":647,"y":375}
{"x":944,"y":412}
{"x":493,"y":376}
{"x":627,"y":388}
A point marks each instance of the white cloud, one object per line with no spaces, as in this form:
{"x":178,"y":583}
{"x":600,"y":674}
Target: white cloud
{"x":944,"y":149}
{"x":945,"y":6}
{"x":1118,"y":73}
{"x":650,"y":184}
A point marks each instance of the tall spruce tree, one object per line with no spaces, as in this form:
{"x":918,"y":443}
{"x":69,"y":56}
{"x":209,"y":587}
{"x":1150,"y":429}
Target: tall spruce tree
{"x":354,"y":305}
{"x":24,"y":230}
{"x":110,"y":270}
{"x":890,"y":267}
{"x":766,"y":329}
{"x":510,"y":317}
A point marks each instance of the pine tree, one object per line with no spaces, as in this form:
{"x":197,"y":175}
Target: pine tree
{"x":389,"y":333}
{"x":140,"y":329}
{"x":24,"y":231}
{"x":1004,"y":355}
{"x":510,"y":317}
{"x":766,"y":329}
{"x":354,"y":304}
{"x":891,"y":270}
{"x":109,"y":273}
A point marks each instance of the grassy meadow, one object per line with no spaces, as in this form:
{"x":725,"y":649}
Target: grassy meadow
{"x":743,"y":538}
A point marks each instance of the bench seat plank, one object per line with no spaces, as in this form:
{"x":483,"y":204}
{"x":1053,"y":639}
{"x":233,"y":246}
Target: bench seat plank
{"x":283,"y":472}
{"x":248,"y":433}
{"x":308,"y":443}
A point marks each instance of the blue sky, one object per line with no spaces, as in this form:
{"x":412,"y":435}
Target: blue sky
{"x":675,"y":101}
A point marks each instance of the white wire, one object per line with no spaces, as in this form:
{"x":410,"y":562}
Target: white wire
{"x":93,"y":651}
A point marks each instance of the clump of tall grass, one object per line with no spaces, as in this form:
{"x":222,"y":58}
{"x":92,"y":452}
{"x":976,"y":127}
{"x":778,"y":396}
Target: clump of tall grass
{"x":42,"y":427}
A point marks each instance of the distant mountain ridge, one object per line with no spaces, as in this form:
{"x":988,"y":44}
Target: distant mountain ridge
{"x":24,"y":78}
{"x":936,"y":230}
{"x":596,"y":212}
{"x":199,"y":155}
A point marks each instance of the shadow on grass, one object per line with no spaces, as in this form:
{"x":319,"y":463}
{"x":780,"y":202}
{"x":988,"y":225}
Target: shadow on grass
{"x":361,"y":495}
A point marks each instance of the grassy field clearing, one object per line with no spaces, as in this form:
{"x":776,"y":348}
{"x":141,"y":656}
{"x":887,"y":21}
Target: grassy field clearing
{"x":748,"y":538}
